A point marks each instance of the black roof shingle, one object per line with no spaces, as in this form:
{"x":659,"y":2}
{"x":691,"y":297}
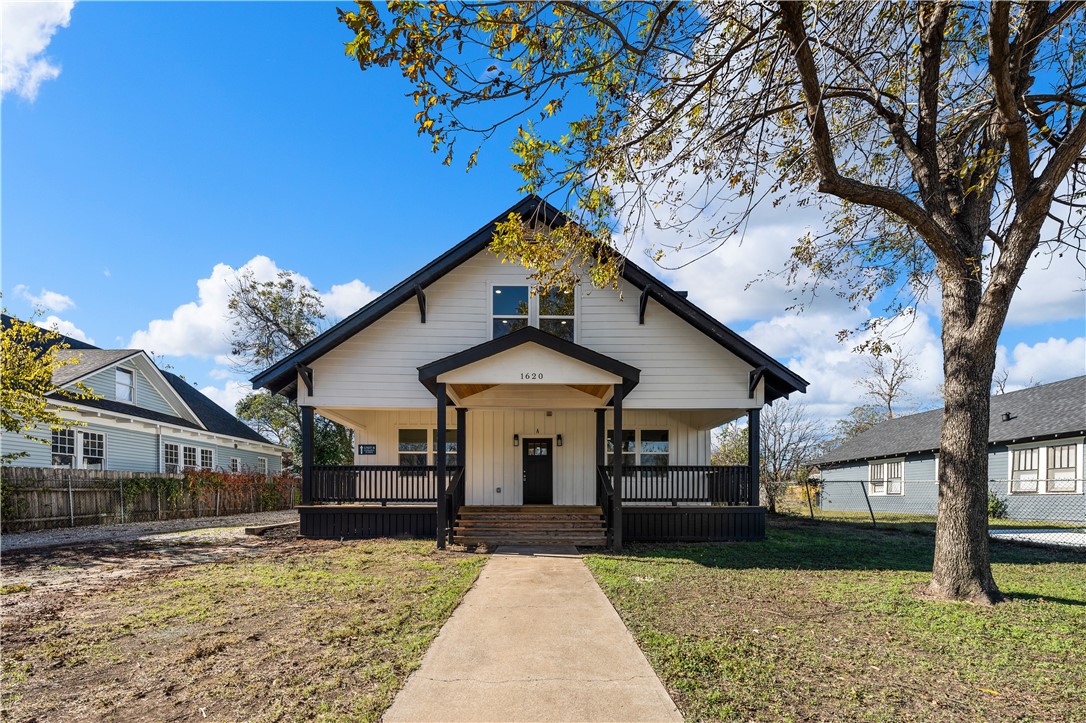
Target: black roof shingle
{"x":1048,"y":410}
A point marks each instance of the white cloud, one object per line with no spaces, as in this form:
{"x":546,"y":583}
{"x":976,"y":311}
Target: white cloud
{"x":48,"y":300}
{"x":66,"y":328}
{"x":28,"y":28}
{"x":1043,"y":362}
{"x":1051,"y":290}
{"x":228,"y":395}
{"x":201,"y":328}
{"x":345,"y":299}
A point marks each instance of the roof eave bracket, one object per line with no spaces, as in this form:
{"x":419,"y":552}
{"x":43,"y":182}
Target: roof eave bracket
{"x":755,"y":377}
{"x":421,"y":296}
{"x":307,"y":376}
{"x":642,"y":303}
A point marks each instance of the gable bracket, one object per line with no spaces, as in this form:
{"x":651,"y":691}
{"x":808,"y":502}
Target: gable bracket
{"x":642,"y":303}
{"x":307,"y":376}
{"x":755,"y":377}
{"x":421,"y":296}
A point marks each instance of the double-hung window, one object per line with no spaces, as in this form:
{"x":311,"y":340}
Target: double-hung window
{"x":63,"y":448}
{"x":170,"y":457}
{"x":509,"y":307}
{"x":645,"y":447}
{"x":94,"y":450}
{"x":262,"y":466}
{"x":207,"y":459}
{"x":886,"y":478}
{"x":190,"y":457}
{"x":418,"y":447}
{"x":557,"y":310}
{"x":235,"y":464}
{"x":1062,"y":466}
{"x":126,"y":385}
{"x":515,"y":307}
{"x":1025,"y":470}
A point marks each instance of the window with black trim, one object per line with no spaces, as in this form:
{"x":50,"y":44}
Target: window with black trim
{"x":629,"y":447}
{"x":557,"y":310}
{"x":413,"y":447}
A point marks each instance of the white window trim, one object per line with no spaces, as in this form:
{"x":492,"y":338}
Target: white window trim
{"x":533,"y":308}
{"x":871,"y":492}
{"x":235,"y":464}
{"x":165,"y":463}
{"x":79,"y":447}
{"x":671,"y":439}
{"x":75,"y":450}
{"x":200,"y":456}
{"x":1042,"y":464}
{"x":431,"y":440}
{"x":132,"y":373}
{"x":262,"y":466}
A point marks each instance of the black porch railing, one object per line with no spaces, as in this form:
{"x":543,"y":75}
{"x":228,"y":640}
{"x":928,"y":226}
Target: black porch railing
{"x":380,"y":484}
{"x":605,"y":495}
{"x":684,"y":484}
{"x":454,"y":500}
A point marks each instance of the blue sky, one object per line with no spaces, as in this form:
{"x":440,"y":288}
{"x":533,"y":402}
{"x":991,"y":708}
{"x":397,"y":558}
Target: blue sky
{"x":180,"y":141}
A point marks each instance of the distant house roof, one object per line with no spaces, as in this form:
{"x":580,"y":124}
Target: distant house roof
{"x":214,"y":418}
{"x":1049,"y":410}
{"x":90,"y":361}
{"x":281,"y":377}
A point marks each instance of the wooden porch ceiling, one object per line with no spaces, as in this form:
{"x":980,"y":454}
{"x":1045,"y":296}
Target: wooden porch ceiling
{"x":463,"y":391}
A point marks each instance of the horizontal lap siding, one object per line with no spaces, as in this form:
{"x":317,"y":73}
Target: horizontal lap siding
{"x":38,"y":454}
{"x":149,"y":398}
{"x":366,"y":523}
{"x":713,"y":524}
{"x":378,"y":367}
{"x":921,"y":468}
{"x":130,"y":450}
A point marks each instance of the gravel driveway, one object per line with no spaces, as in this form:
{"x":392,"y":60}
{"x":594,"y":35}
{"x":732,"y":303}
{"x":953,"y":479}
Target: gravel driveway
{"x":211,"y":526}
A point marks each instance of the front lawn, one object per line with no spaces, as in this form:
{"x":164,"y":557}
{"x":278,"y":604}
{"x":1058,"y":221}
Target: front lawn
{"x":315,"y":630}
{"x":826,"y":621}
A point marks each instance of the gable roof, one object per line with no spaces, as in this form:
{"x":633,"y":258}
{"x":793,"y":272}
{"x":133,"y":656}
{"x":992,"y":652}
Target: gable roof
{"x":1049,"y":410}
{"x":429,"y":373}
{"x":214,"y":418}
{"x":89,"y":362}
{"x":281,"y":377}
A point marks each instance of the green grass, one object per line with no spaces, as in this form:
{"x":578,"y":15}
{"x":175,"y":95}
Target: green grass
{"x":325,"y":631}
{"x":829,"y":621}
{"x":907,"y":522}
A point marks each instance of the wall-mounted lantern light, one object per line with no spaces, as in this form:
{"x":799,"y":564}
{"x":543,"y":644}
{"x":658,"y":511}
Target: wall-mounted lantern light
{"x":559,"y":440}
{"x":516,"y":440}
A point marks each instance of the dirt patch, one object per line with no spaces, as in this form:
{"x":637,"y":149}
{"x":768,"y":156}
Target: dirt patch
{"x":221,"y":627}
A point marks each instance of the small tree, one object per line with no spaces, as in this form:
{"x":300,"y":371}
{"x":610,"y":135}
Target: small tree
{"x":731,"y":445}
{"x":886,"y":379}
{"x":791,"y":437}
{"x":859,"y":420}
{"x":29,"y":356}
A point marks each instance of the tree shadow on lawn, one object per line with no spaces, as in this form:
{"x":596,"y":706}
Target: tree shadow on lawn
{"x":796,"y":544}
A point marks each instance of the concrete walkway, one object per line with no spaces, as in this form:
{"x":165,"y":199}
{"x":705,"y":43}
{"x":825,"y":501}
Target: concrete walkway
{"x":534,"y":640}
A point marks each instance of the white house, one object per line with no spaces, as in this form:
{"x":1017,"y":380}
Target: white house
{"x":525,"y":393}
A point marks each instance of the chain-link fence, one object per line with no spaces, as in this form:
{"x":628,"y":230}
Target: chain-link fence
{"x":1048,"y":512}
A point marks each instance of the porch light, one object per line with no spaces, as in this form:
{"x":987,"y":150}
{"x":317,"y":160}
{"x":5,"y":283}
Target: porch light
{"x":559,"y":440}
{"x":516,"y":440}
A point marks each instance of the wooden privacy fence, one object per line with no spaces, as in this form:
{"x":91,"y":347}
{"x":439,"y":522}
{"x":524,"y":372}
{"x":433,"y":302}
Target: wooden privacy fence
{"x":39,"y":498}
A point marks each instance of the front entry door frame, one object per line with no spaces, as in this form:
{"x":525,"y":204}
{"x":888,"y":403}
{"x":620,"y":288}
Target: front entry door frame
{"x":525,"y":441}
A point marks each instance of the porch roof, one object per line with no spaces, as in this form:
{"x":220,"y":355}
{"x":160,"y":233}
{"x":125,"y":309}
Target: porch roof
{"x":620,"y":372}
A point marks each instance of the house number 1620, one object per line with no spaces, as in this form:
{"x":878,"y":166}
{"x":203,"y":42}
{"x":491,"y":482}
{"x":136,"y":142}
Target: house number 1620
{"x":531,"y":375}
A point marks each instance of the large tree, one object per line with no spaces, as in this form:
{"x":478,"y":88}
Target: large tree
{"x":888,"y":373}
{"x":942,"y":140}
{"x":29,"y":399}
{"x":269,"y":320}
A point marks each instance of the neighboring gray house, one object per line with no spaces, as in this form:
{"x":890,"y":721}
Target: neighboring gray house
{"x":147,"y":420}
{"x":1035,"y":458}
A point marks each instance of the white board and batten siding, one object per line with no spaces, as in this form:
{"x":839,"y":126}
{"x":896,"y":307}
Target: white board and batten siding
{"x":680,"y":367}
{"x":495,"y":466}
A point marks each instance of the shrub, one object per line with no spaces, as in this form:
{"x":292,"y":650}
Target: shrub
{"x":997,"y":506}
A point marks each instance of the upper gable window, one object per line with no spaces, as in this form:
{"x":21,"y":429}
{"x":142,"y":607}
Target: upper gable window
{"x":509,"y":307}
{"x":515,"y":307}
{"x":556,"y":313}
{"x":126,"y":385}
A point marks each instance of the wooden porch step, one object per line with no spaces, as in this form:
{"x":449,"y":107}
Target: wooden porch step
{"x":530,"y":525}
{"x":529,"y":509}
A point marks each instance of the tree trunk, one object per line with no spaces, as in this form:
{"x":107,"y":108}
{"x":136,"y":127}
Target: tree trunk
{"x":962,"y":569}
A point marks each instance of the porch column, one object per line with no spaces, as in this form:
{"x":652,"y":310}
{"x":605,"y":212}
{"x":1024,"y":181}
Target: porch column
{"x":462,"y":441}
{"x":601,"y":437}
{"x":754,"y":453}
{"x":442,"y":400}
{"x":307,"y":455}
{"x":616,"y":472}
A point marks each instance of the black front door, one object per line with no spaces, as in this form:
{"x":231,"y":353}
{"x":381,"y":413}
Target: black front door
{"x":538,"y":472}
